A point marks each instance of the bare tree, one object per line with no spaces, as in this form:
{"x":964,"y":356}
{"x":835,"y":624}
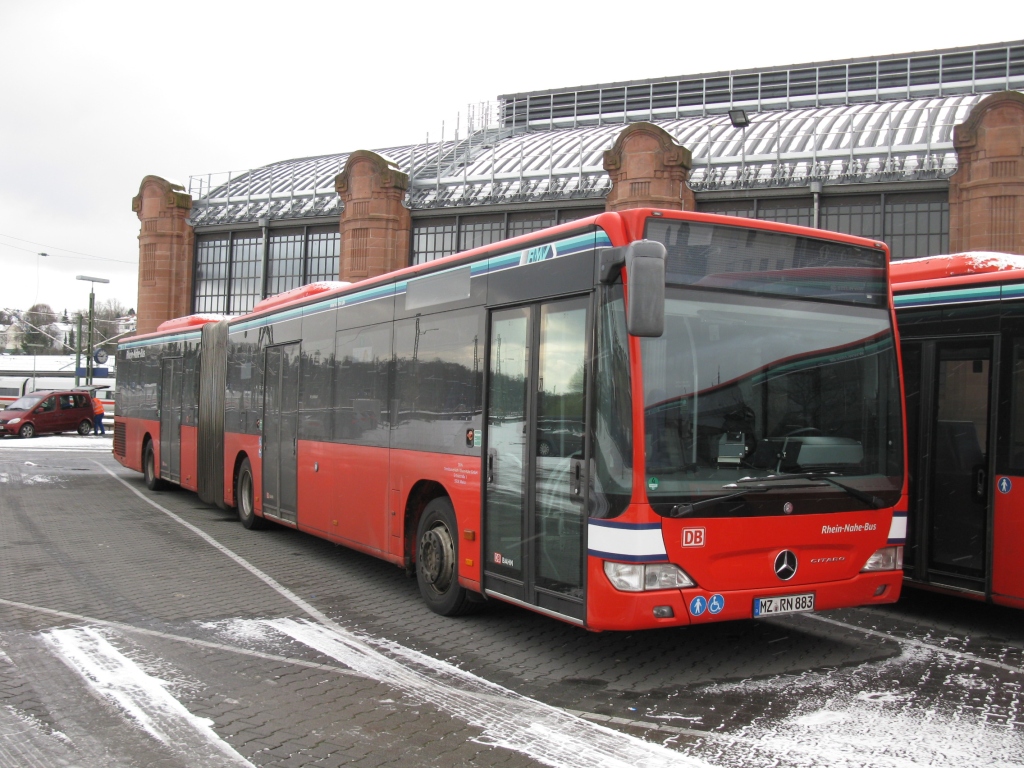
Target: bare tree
{"x":107,"y":314}
{"x":41,"y":332}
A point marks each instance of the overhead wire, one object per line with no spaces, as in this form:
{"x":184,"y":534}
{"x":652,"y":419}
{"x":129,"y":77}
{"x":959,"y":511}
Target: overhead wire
{"x":78,"y":254}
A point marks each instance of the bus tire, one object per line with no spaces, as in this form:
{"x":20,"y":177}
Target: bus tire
{"x":153,"y":482}
{"x":437,"y":557}
{"x":245,"y":498}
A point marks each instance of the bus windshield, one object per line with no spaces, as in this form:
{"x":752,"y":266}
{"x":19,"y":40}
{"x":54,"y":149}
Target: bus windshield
{"x":768,"y":263}
{"x":748,"y":389}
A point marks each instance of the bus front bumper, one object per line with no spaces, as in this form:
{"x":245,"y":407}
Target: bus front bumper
{"x":610,"y":609}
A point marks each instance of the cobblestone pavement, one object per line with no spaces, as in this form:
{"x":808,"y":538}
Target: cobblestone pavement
{"x":134,"y":634}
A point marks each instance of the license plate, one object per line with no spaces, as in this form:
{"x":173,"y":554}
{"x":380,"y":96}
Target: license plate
{"x":773,"y":606}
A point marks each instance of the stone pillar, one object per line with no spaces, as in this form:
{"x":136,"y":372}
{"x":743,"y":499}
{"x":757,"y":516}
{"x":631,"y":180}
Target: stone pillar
{"x":986,"y":194}
{"x":648,"y":170}
{"x":375,"y":224}
{"x":165,"y":252}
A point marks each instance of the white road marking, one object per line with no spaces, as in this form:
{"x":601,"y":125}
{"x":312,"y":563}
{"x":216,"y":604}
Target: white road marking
{"x":77,"y":617}
{"x":144,"y":698}
{"x":547,"y":734}
{"x":286,"y":593}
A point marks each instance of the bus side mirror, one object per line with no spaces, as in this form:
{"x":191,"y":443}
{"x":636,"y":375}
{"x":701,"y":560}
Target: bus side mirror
{"x":645,"y":287}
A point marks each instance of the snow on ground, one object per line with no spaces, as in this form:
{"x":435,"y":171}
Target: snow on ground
{"x":549,"y":735}
{"x":60,"y":443}
{"x":881,"y":715}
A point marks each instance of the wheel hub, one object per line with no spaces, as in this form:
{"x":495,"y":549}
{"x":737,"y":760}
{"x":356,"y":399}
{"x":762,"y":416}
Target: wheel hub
{"x":437,"y":557}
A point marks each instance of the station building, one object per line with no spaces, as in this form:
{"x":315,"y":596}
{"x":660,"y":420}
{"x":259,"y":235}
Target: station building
{"x":923,"y":151}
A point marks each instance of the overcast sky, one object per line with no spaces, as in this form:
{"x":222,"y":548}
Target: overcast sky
{"x":94,"y":96}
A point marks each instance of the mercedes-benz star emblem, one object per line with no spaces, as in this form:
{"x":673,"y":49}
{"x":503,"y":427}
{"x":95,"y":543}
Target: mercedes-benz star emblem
{"x":785,"y":565}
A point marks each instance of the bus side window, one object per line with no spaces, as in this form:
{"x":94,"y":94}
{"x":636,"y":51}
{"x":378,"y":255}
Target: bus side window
{"x":1017,"y":407}
{"x":438,"y":381}
{"x":361,"y":388}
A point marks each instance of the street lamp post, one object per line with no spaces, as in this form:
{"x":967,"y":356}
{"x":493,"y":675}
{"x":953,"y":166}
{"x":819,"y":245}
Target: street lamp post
{"x":35,"y":375}
{"x":78,"y":349}
{"x":92,"y":308}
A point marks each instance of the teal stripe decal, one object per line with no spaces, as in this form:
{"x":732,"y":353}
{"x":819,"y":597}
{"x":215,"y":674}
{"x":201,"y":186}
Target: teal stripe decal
{"x":956,"y":296}
{"x":570,"y":245}
{"x":1011,"y":292}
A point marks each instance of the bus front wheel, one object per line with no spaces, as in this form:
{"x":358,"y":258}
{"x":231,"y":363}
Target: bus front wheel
{"x":245,"y":498}
{"x":153,"y":482}
{"x":437,"y":555}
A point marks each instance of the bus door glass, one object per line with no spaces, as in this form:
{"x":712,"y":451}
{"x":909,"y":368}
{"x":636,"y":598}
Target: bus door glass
{"x":959,"y":479}
{"x":912,"y":368}
{"x":170,"y":419}
{"x":281,"y":431}
{"x":536,"y":484}
{"x":1008,"y":488}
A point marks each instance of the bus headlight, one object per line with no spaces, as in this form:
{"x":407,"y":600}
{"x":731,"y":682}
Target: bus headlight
{"x":885,"y":559}
{"x":634,"y":577}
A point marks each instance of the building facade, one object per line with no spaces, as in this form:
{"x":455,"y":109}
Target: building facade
{"x":922,"y":151}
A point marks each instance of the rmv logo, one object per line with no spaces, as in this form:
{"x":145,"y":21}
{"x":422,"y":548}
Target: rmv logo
{"x":693,"y":537}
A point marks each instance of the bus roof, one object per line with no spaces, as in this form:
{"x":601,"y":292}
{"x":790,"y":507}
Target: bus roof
{"x":955,"y":269}
{"x":189,"y":321}
{"x":296,"y":294}
{"x":626,"y":225}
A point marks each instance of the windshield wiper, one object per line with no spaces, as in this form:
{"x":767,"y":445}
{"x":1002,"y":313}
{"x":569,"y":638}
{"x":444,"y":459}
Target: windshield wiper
{"x":683,"y":510}
{"x":872,"y":501}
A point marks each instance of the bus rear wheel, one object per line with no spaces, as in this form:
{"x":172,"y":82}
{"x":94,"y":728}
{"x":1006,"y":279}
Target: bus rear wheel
{"x":245,"y":498}
{"x":437,"y":560}
{"x":153,"y":482}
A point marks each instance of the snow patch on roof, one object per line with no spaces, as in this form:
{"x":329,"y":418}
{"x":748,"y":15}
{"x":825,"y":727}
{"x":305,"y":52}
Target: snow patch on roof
{"x":978,"y":261}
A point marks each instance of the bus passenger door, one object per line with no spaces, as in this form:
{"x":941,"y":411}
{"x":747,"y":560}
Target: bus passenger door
{"x":535,"y":467}
{"x":281,"y":431}
{"x":949,"y":401}
{"x":1008,"y":486}
{"x":170,"y":419}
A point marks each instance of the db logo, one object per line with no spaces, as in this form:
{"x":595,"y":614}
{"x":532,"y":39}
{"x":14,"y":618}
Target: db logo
{"x":693,"y":537}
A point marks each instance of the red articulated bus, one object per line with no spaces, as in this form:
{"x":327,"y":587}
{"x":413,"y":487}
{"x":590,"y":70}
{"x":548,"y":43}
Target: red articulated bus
{"x":961,"y":320}
{"x":639,"y":419}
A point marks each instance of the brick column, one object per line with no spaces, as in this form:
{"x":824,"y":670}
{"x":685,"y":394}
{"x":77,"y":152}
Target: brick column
{"x":986,"y":194}
{"x":375,"y":224}
{"x":648,"y":170}
{"x":165,"y":252}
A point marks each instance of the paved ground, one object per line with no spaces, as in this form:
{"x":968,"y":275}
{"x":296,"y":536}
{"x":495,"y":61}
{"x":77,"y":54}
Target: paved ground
{"x":164,"y":634}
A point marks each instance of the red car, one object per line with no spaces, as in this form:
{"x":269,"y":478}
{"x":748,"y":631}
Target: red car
{"x":48,"y":411}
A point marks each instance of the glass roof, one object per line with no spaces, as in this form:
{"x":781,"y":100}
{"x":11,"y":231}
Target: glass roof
{"x":856,"y":143}
{"x":925,"y":74}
